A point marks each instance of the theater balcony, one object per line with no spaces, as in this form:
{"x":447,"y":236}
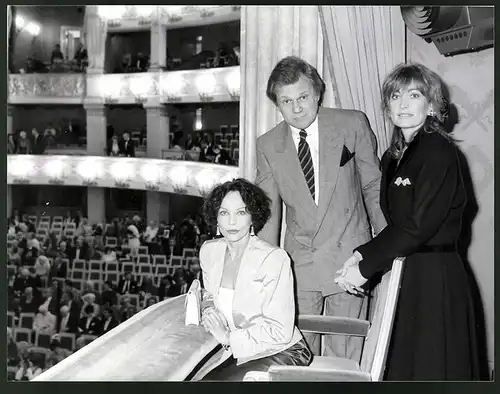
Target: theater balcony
{"x":171,"y":176}
{"x":174,"y":87}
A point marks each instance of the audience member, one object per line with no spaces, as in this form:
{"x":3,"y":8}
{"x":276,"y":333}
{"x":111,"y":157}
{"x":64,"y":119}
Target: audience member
{"x":108,"y":321}
{"x":89,"y":323}
{"x":38,"y":147}
{"x":127,"y":285}
{"x":126,"y":146}
{"x":68,"y":322}
{"x":45,"y":322}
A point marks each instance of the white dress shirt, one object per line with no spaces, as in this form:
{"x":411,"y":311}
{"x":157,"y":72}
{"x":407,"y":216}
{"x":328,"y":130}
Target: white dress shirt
{"x":106,"y":324}
{"x":313,"y":141}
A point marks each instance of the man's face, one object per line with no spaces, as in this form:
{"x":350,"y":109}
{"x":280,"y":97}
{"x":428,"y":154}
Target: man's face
{"x":298,"y":103}
{"x":79,"y":241}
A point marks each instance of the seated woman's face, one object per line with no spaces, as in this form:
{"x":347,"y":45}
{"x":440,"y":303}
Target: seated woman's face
{"x":233,"y":219}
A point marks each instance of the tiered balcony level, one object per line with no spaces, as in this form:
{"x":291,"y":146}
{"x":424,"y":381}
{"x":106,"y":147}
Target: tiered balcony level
{"x":152,"y":88}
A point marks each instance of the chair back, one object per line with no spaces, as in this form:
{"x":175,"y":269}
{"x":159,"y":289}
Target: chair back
{"x":378,"y":339}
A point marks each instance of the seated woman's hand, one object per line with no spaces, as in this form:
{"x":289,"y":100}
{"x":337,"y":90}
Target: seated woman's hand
{"x":215,"y":322}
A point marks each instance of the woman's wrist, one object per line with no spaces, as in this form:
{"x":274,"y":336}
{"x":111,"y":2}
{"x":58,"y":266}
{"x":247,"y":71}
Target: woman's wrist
{"x":225,"y":342}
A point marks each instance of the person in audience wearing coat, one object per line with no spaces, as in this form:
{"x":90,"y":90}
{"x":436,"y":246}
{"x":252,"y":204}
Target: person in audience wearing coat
{"x":127,"y":284}
{"x":74,"y":305}
{"x":108,"y":295}
{"x":67,"y":322}
{"x":89,"y":324}
{"x":45,"y":322}
{"x":80,"y":251}
{"x":164,"y":288}
{"x":29,"y":302}
{"x":59,"y":268}
{"x":248,"y":302}
{"x":38,"y":146}
{"x":127,"y":147}
{"x":108,"y":321}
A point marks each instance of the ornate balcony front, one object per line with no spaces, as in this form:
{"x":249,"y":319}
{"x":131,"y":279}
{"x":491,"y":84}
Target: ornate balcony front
{"x":134,"y":17}
{"x":181,"y":177}
{"x":46,"y":88}
{"x":189,"y":86}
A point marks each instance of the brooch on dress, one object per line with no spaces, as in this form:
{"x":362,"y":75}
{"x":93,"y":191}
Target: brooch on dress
{"x":400,"y":181}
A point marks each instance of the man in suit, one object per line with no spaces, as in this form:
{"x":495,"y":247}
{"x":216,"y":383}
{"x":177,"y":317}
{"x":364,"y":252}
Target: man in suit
{"x":127,"y":285}
{"x":89,"y":324}
{"x":67,"y":322}
{"x":38,"y":147}
{"x":108,"y":321}
{"x":127,"y":147}
{"x":322,"y":164}
{"x":74,"y":305}
{"x":81,"y":251}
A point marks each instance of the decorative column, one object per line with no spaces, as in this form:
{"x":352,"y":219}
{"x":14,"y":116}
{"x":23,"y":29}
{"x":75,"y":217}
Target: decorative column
{"x":96,"y":129}
{"x":157,"y":129}
{"x":268,"y":34}
{"x":96,"y":146}
{"x":95,"y":31}
{"x":10,"y":121}
{"x":157,"y":121}
{"x":158,"y":55}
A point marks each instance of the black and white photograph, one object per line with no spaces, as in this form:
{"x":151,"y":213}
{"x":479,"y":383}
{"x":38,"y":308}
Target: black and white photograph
{"x":250,"y":193}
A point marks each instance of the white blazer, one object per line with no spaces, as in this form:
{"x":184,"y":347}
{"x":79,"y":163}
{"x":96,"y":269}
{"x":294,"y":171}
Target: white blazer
{"x":263,"y":303}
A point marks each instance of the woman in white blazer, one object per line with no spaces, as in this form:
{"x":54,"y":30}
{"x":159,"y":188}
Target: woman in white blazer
{"x":248,"y":300}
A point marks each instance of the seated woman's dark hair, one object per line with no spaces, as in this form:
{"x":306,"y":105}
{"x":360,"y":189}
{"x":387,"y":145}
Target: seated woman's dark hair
{"x":258,"y":204}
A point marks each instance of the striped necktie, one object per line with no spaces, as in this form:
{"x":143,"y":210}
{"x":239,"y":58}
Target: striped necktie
{"x":306,"y":163}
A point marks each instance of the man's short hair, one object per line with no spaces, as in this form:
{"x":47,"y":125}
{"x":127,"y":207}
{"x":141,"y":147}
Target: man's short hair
{"x":288,"y":71}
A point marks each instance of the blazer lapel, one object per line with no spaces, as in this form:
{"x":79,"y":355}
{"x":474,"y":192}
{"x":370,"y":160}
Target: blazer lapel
{"x":288,"y":159}
{"x":331,"y":143}
{"x":388,"y":169}
{"x":239,"y":291}
{"x":219,"y":256}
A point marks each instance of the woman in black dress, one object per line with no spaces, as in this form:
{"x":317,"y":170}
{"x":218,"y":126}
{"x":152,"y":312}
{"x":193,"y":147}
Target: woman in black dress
{"x":423,"y":199}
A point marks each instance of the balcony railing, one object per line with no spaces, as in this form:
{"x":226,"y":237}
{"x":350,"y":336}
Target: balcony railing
{"x":172,"y":176}
{"x":133,"y":18}
{"x":186,"y":86}
{"x":153,"y":345}
{"x":46,"y":88}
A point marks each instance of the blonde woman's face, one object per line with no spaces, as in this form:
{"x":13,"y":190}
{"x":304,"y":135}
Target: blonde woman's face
{"x":408,"y":108}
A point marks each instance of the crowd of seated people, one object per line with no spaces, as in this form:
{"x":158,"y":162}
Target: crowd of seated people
{"x":70,"y":281}
{"x":58,"y":63}
{"x":67,"y":133}
{"x":25,"y":143}
{"x":206,"y":146}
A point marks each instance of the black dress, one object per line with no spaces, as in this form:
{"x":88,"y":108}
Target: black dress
{"x":423,"y":200}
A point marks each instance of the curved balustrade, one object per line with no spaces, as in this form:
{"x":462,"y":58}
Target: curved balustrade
{"x":46,"y":88}
{"x":172,"y":176}
{"x":186,"y":86}
{"x":153,"y":345}
{"x":133,"y":17}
